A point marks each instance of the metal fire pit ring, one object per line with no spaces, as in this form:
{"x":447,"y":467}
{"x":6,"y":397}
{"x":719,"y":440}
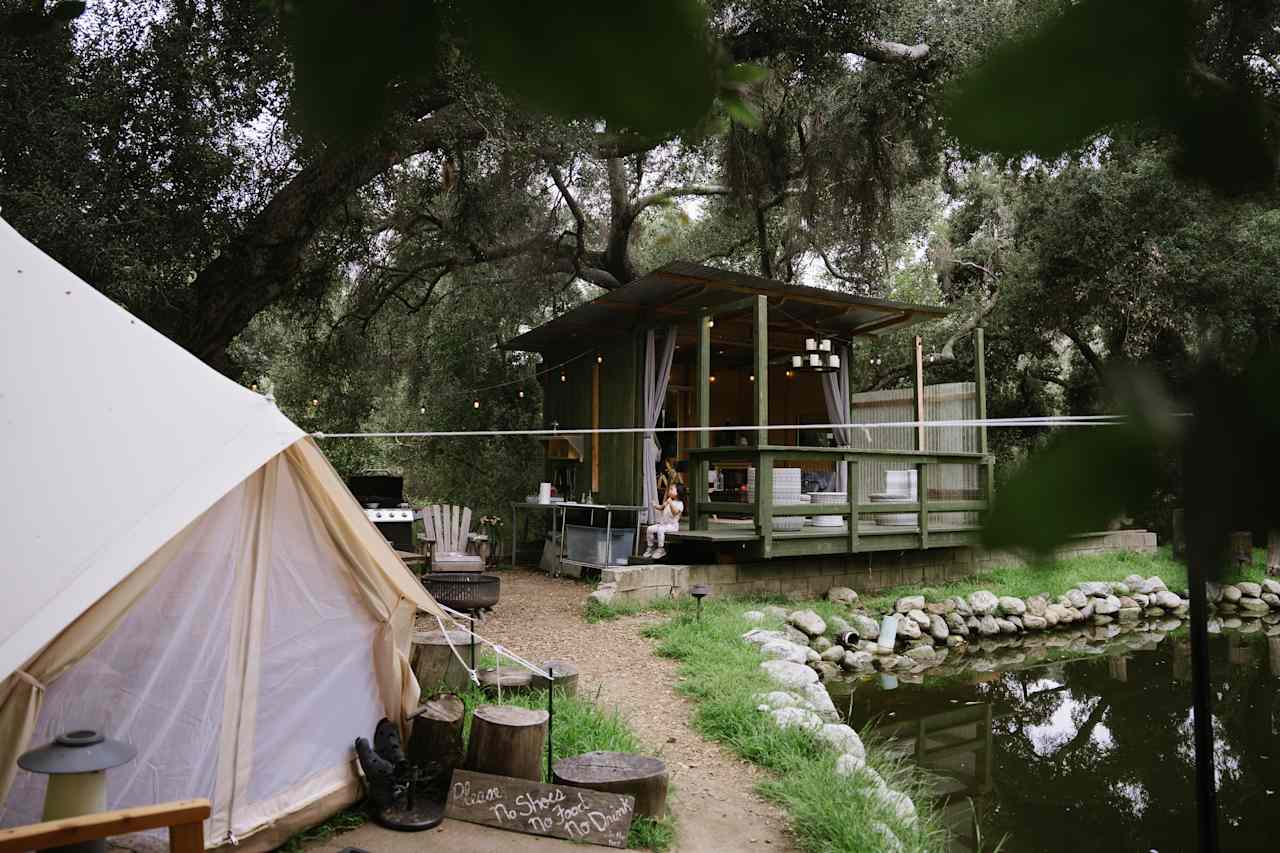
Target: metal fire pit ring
{"x":463,"y":591}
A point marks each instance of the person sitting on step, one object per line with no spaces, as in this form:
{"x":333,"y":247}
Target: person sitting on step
{"x":669,"y":512}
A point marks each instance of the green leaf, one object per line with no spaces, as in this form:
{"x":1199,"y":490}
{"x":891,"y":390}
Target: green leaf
{"x":346,"y":53}
{"x":1081,"y":482}
{"x":646,"y":67}
{"x":741,"y":110}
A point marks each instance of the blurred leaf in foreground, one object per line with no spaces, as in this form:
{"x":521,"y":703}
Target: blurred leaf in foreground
{"x":1100,"y":64}
{"x":647,"y":67}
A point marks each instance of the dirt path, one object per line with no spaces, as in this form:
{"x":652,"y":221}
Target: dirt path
{"x":541,"y":617}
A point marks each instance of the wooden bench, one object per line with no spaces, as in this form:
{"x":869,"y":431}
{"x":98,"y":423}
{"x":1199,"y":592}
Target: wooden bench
{"x":184,"y":818}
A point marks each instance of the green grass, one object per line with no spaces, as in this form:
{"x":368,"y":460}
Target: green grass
{"x":595,"y":611}
{"x":346,"y":820}
{"x":829,"y":814}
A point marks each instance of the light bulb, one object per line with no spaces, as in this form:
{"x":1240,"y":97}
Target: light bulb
{"x":712,"y":378}
{"x":563,"y":378}
{"x":522,"y":395}
{"x":790,"y":374}
{"x":253,"y":387}
{"x":599,"y":359}
{"x":315,"y":402}
{"x":753,"y":377}
{"x":475,"y":404}
{"x":422,"y":411}
{"x":711,"y":324}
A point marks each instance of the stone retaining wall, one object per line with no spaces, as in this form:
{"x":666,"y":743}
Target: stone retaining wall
{"x":811,"y":577}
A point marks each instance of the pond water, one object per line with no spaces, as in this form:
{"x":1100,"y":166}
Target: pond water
{"x":1083,"y":741}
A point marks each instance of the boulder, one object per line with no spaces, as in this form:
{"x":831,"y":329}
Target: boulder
{"x":971,"y":623}
{"x":837,"y":626}
{"x":826,"y":670}
{"x":908,"y":628}
{"x":1005,"y":626}
{"x":604,"y":593}
{"x":908,"y":603}
{"x":1106,"y":606}
{"x":940,"y":608}
{"x":753,"y":616}
{"x":788,"y":674}
{"x":849,"y":763}
{"x":901,"y":805}
{"x":776,"y":699}
{"x":788,"y":718}
{"x":1166,"y":599}
{"x":1033,"y":622}
{"x":1037,"y":605}
{"x":1272,"y":600}
{"x":820,"y":700}
{"x":919,"y":617}
{"x":1231,"y":593}
{"x":1118,"y":588}
{"x":1254,"y":606}
{"x":785,"y":650}
{"x":962,"y":605}
{"x":760,"y":636}
{"x":1249,"y":588}
{"x":842,"y":739}
{"x":857,"y":661}
{"x":1016,"y":621}
{"x":1133,"y":580}
{"x":1010,"y":606}
{"x":1096,"y":589}
{"x":795,"y":635}
{"x":773,"y":611}
{"x":865,"y":627}
{"x":938,"y":627}
{"x":809,"y":622}
{"x":810,"y":656}
{"x":1055,"y":613}
{"x":1129,"y":614}
{"x":1153,"y":612}
{"x":987,"y":626}
{"x":842,"y":595}
{"x":955,"y":641}
{"x":1076,"y":598}
{"x":1102,"y":619}
{"x":820,"y":644}
{"x":1141,"y":599}
{"x":1127,"y":601}
{"x":983,"y":603}
{"x":888,"y":842}
{"x":834,"y":654}
{"x":922,"y":655}
{"x":956,"y":623}
{"x":1087,"y":611}
{"x":1271,"y":586}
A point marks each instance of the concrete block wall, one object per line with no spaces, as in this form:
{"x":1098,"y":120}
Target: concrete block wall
{"x":811,"y":577}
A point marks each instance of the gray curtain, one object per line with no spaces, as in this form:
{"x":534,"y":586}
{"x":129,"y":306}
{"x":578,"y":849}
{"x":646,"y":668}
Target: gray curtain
{"x":657,"y":372}
{"x":835,"y":389}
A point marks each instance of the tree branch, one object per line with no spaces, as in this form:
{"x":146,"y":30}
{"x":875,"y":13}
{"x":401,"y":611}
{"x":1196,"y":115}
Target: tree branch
{"x":880,"y":50}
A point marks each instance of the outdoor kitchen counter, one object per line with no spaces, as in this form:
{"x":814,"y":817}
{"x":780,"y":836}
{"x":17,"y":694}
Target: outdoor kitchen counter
{"x":561,"y":523}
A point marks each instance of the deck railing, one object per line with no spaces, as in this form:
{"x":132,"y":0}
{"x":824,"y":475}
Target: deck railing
{"x":763,"y":509}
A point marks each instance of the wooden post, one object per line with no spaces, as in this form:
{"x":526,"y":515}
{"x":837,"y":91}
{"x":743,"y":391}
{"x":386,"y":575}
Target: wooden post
{"x":437,"y":733}
{"x":760,"y":409}
{"x":918,"y":354}
{"x":703,"y":386}
{"x":764,"y":501}
{"x":595,"y":428}
{"x":980,"y":383}
{"x":1273,"y":553}
{"x":852,"y":485}
{"x":507,"y":741}
{"x":1242,"y":547}
{"x":922,"y":492}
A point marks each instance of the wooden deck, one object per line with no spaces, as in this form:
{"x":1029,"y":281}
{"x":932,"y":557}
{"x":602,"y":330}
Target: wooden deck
{"x":756,"y":532}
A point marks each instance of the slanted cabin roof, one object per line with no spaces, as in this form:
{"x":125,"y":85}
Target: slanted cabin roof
{"x":678,"y":293}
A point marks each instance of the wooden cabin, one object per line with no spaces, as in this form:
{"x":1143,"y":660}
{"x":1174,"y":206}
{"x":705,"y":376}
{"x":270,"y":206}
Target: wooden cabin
{"x":732,"y":367}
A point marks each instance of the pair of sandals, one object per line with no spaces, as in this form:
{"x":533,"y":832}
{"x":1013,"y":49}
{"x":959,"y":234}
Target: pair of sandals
{"x":654,"y":553}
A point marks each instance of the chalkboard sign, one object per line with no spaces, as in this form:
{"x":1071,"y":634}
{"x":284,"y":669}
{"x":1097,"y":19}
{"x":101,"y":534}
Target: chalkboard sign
{"x":558,"y":811}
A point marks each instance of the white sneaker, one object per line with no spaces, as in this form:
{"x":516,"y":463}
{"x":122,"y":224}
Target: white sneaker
{"x":659,"y":554}
{"x":648,"y":553}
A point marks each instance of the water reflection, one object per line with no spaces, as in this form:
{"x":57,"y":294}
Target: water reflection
{"x":1091,"y":753}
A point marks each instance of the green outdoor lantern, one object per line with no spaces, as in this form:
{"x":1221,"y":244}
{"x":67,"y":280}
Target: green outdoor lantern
{"x":76,"y":763}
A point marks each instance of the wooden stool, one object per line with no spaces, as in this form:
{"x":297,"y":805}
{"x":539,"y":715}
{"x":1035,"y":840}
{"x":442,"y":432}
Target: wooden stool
{"x":513,"y":679}
{"x":507,"y":741}
{"x":643,"y":777}
{"x":565,"y":675}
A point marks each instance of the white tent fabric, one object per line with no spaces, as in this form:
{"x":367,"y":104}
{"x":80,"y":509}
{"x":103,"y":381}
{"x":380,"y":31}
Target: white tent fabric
{"x":657,"y":372}
{"x":182,"y":568}
{"x":835,"y":390}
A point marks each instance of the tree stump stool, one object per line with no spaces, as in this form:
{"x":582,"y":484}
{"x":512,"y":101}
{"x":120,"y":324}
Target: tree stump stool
{"x":507,"y":741}
{"x":565,"y":676}
{"x":641,"y":776}
{"x":437,"y":734}
{"x":1242,"y":547}
{"x":434,"y":662}
{"x":513,"y":679}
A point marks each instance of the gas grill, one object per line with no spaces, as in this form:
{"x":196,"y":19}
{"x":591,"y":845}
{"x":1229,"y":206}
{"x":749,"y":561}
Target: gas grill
{"x":382,"y":496}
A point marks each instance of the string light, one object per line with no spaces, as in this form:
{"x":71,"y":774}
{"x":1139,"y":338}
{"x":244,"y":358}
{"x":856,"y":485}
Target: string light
{"x":599,"y":359}
{"x":753,"y":377}
{"x":422,"y":411}
{"x":790,"y":374}
{"x":253,"y":387}
{"x":315,"y":402}
{"x":521,"y":393}
{"x":563,"y":378}
{"x":475,"y":404}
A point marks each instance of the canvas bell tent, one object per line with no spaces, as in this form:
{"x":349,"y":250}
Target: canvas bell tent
{"x":183,"y":570}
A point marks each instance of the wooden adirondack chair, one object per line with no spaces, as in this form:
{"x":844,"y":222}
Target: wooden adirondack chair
{"x":448,"y":528}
